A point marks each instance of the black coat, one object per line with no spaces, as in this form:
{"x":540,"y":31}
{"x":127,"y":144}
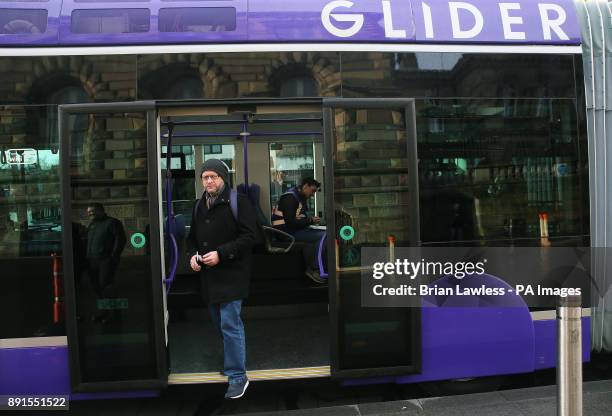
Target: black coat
{"x":217,"y":230}
{"x":105,"y":238}
{"x":291,"y":207}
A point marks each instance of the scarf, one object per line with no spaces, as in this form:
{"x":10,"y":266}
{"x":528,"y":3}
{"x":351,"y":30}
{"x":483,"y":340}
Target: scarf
{"x":211,"y":198}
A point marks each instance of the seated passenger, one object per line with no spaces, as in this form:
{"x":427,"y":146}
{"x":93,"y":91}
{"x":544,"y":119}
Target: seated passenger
{"x":290,"y":216}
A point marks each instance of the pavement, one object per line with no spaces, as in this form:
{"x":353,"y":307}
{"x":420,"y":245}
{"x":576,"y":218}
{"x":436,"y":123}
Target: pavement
{"x":378,"y":400}
{"x":536,"y":401}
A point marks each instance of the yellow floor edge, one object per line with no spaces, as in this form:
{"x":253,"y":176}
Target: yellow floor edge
{"x":274,"y":374}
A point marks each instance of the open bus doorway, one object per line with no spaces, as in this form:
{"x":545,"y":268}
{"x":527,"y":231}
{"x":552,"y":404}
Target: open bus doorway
{"x":323,"y":334}
{"x":270,"y":149}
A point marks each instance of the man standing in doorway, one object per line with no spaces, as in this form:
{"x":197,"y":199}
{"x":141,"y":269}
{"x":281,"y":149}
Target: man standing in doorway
{"x":220,"y":245}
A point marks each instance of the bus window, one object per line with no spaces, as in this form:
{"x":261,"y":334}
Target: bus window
{"x":192,"y":145}
{"x":289,"y":164}
{"x":197,"y":19}
{"x":110,"y":21}
{"x":488,"y":170}
{"x":185,"y":163}
{"x":22,"y":21}
{"x":30,"y":227}
{"x":224,"y":152}
{"x":182,"y":164}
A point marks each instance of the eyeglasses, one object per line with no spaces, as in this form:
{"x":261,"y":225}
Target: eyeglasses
{"x":210,"y":178}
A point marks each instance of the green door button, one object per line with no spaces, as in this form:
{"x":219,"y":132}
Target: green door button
{"x":138,"y":240}
{"x":347,"y":232}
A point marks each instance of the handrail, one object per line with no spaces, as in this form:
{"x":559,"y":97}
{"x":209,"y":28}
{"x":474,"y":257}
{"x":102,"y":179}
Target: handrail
{"x":269,"y":246}
{"x":245,"y":154}
{"x":170,"y":214}
{"x":170,"y":279}
{"x":254,"y":134}
{"x":255,"y":120}
{"x":322,"y":271}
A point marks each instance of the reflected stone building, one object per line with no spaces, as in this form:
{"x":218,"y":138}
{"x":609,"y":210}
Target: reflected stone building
{"x":500,"y":138}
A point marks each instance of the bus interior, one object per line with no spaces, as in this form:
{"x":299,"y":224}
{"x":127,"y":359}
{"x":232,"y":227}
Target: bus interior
{"x":286,"y":315}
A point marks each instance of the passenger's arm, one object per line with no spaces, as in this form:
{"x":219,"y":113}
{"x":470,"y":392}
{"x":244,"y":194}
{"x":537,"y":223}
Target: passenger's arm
{"x":247,"y":233}
{"x":289,"y":206}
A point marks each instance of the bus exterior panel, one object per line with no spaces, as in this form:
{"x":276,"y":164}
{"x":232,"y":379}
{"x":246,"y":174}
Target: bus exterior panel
{"x":376,"y":21}
{"x":506,"y":96}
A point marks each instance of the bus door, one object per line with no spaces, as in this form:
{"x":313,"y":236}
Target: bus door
{"x":112,"y":261}
{"x":370,"y":149}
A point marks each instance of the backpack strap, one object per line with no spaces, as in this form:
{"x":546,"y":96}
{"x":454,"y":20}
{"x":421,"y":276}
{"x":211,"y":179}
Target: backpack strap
{"x":234,"y":204}
{"x":195,"y":208}
{"x":293,"y":191}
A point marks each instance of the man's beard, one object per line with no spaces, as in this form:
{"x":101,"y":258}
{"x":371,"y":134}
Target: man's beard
{"x":216,"y":193}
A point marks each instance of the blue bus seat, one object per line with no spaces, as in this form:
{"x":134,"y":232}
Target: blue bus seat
{"x":273,"y":239}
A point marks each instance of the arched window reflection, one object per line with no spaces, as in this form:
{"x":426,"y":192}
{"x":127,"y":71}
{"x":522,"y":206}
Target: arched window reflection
{"x":171,"y":82}
{"x":304,"y":86}
{"x":294,"y":81}
{"x":77,"y":123}
{"x":52,"y":90}
{"x":183,"y":88}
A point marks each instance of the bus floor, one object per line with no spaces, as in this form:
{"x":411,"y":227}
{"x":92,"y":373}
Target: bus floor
{"x":277,"y":337}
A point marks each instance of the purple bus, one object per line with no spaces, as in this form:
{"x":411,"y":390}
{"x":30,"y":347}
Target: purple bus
{"x":430,"y":123}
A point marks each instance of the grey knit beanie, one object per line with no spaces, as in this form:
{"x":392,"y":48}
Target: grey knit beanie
{"x":217,"y":166}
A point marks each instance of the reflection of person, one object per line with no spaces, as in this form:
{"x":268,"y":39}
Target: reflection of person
{"x":457,"y":223}
{"x":105,"y":242}
{"x":277,"y":187}
{"x":290,"y":216}
{"x":9,"y":245}
{"x":220,"y":248}
{"x":79,"y":250}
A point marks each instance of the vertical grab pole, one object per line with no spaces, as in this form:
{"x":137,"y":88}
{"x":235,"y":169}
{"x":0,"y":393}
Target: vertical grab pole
{"x":245,"y":154}
{"x":569,"y":356}
{"x":170,"y":212}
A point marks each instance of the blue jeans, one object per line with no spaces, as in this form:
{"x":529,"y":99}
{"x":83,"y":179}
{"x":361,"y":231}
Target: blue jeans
{"x":311,"y":249}
{"x":226,"y":319}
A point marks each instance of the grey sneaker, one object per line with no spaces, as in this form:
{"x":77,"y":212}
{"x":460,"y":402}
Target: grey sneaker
{"x":236,"y":390}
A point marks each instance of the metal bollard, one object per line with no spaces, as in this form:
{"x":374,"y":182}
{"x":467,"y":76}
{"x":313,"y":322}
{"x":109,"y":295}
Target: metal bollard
{"x":569,"y":356}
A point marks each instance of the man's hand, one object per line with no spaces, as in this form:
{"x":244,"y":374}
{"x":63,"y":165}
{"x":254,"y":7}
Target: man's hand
{"x":210,"y":259}
{"x":194,"y":263}
{"x":316,"y":220}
